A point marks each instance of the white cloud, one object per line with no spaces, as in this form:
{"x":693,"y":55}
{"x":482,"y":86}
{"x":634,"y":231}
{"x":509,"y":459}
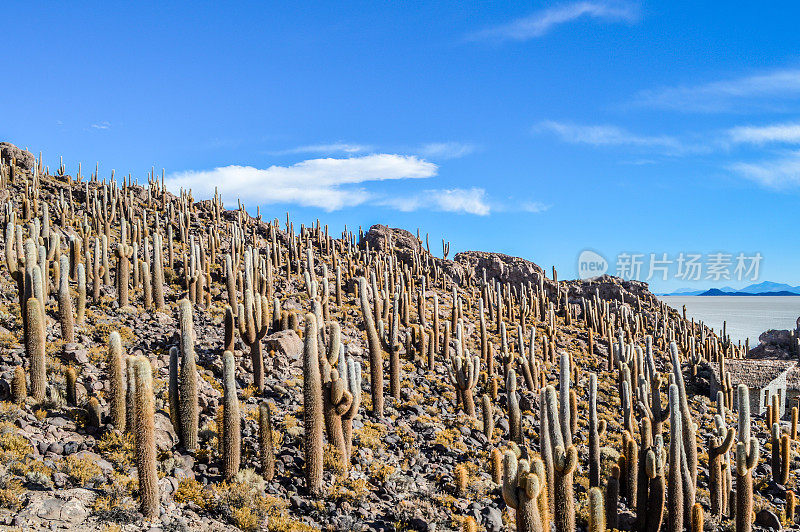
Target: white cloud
{"x":788,"y":133}
{"x":540,"y":23}
{"x":535,"y":207}
{"x":456,"y":200}
{"x":446,"y":150}
{"x":313,"y":183}
{"x":779,"y":173}
{"x":728,"y":94}
{"x":336,"y":147}
{"x":101,"y":125}
{"x":605,"y":135}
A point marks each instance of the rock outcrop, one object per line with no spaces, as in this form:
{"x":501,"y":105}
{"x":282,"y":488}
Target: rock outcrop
{"x":23,"y":158}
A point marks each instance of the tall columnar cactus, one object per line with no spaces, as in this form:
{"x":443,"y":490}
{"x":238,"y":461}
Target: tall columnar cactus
{"x":688,"y":430}
{"x":337,"y":401}
{"x":188,"y":409}
{"x":565,"y":456}
{"x":612,"y":497}
{"x":229,"y":337}
{"x":747,"y":452}
{"x":254,"y":320}
{"x":158,"y":271}
{"x":232,"y":432}
{"x":375,"y":352}
{"x":785,"y":446}
{"x":353,"y":368}
{"x":464,"y":372}
{"x":312,"y":407}
{"x":514,"y":418}
{"x":265,"y":442}
{"x":71,"y":378}
{"x":675,"y":480}
{"x":144,"y":438}
{"x":597,"y":516}
{"x":124,"y":253}
{"x":521,"y":490}
{"x":19,"y":391}
{"x":719,"y":443}
{"x":116,"y":378}
{"x":65,"y":316}
{"x":594,"y":434}
{"x":654,"y":467}
{"x":174,"y":394}
{"x":488,"y":417}
{"x":35,"y":348}
{"x":80,"y":310}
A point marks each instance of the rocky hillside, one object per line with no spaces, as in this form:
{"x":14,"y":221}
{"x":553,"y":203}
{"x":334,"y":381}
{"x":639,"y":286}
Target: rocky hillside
{"x":168,"y":364}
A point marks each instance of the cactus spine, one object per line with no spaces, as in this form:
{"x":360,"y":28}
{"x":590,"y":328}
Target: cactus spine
{"x":565,"y":456}
{"x":674,"y":480}
{"x":19,"y":391}
{"x":597,"y":517}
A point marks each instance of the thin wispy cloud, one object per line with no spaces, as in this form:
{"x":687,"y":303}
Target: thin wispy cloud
{"x":101,"y":125}
{"x":455,"y":200}
{"x":542,"y":22}
{"x":780,"y":173}
{"x":535,"y":207}
{"x":764,"y":90}
{"x":447,"y":150}
{"x":605,"y":135}
{"x":325,"y":183}
{"x":788,"y":133}
{"x":336,"y":147}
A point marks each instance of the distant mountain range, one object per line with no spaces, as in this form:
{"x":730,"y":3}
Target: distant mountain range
{"x":764,"y":288}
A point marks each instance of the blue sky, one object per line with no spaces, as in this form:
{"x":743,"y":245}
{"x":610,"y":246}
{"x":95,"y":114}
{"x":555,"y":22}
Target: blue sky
{"x":535,"y":129}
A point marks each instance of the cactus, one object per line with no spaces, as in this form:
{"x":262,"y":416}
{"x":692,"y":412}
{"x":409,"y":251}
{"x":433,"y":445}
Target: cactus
{"x":116,"y":379}
{"x":337,"y":399}
{"x":65,"y":316}
{"x":791,"y":502}
{"x":612,"y":498}
{"x":594,"y":436}
{"x":697,"y":518}
{"x":188,"y":411}
{"x":675,"y":480}
{"x":521,"y":490}
{"x":514,"y":418}
{"x":265,"y":442}
{"x":785,"y":459}
{"x":565,"y":456}
{"x":654,"y":467}
{"x":375,"y":352}
{"x":496,"y":465}
{"x":71,"y":378}
{"x":94,"y":412}
{"x":232,"y":432}
{"x":718,"y":447}
{"x":124,"y":253}
{"x":174,"y":402}
{"x":747,"y":452}
{"x":35,"y":348}
{"x":461,"y":479}
{"x":353,"y":368}
{"x":144,"y":438}
{"x":688,"y":426}
{"x":80,"y":310}
{"x":19,"y":391}
{"x":464,"y":372}
{"x":488,"y":418}
{"x":597,"y":516}
{"x":312,"y":407}
{"x":228,"y":342}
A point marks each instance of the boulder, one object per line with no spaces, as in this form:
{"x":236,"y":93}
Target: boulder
{"x":768,"y":520}
{"x":64,"y":509}
{"x":504,"y":268}
{"x":23,"y":158}
{"x":286,"y":344}
{"x":166,"y":438}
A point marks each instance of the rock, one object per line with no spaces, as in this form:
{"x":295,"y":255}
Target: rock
{"x":23,"y":158}
{"x":164,"y":432}
{"x":69,"y":507}
{"x":380,"y":236}
{"x":768,"y":519}
{"x":286,"y":344}
{"x":492,"y":519}
{"x":75,"y":353}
